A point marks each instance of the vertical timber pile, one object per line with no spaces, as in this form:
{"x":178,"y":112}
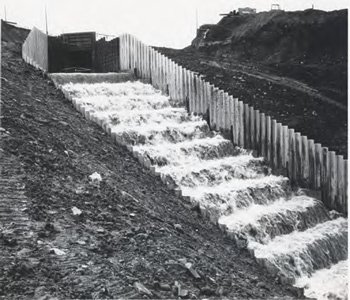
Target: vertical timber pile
{"x":305,"y":162}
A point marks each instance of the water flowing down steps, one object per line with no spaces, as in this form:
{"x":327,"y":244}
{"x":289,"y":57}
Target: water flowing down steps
{"x":290,"y":233}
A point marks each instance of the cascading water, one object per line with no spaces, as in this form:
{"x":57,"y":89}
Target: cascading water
{"x":290,"y":233}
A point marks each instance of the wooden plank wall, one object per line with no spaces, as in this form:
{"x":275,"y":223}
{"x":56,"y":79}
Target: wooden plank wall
{"x":35,"y":50}
{"x":305,"y":162}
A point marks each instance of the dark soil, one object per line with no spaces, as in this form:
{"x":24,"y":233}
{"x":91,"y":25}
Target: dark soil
{"x":132,"y":231}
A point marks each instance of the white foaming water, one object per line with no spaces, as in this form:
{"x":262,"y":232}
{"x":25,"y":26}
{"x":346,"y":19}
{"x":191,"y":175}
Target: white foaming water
{"x":212,"y":172}
{"x":187,"y":151}
{"x":233,"y":186}
{"x":254,"y":217}
{"x":324,"y":284}
{"x":293,"y":255}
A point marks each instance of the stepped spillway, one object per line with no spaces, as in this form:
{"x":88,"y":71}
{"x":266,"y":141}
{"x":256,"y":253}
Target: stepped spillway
{"x":291,"y":234}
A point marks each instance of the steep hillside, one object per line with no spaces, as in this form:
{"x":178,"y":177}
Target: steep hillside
{"x":278,"y":36}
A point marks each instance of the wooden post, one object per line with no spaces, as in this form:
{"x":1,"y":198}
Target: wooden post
{"x":204,"y":97}
{"x":241,"y":123}
{"x":181,"y":85}
{"x":157,"y":70}
{"x":340,"y":205}
{"x":246,"y":127}
{"x":274,"y":143}
{"x":319,"y":163}
{"x":262,"y":135}
{"x":333,"y":183}
{"x":279,"y":145}
{"x":235,"y":121}
{"x":148,"y":50}
{"x":227,"y":125}
{"x":142,"y":61}
{"x":121,"y":52}
{"x":305,"y":165}
{"x":170,"y":78}
{"x":252,"y":128}
{"x":186,"y":88}
{"x":199,"y":95}
{"x":203,"y":106}
{"x":139,"y":58}
{"x":221,"y":119}
{"x":257,"y":132}
{"x":208,"y":86}
{"x":298,"y":157}
{"x":211,"y":107}
{"x":325,"y":176}
{"x":345,"y":197}
{"x":268,"y":139}
{"x":291,"y":156}
{"x":312,"y":164}
{"x":127,"y":52}
{"x":215,"y":108}
{"x":285,"y":146}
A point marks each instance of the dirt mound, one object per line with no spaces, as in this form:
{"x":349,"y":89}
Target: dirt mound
{"x":278,"y":36}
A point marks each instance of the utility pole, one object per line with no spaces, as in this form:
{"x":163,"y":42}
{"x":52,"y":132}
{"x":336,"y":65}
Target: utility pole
{"x":47,"y":30}
{"x":196,"y":19}
{"x":5,"y":12}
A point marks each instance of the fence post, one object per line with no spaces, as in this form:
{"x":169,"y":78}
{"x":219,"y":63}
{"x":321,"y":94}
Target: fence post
{"x":216,"y":109}
{"x":211,"y":106}
{"x":221,"y":116}
{"x":192,"y":92}
{"x":340,"y":184}
{"x":235,"y":121}
{"x":273,"y":143}
{"x":257,"y":132}
{"x":298,"y":157}
{"x":345,"y":191}
{"x":285,"y":147}
{"x":262,"y":135}
{"x":252,"y":127}
{"x":268,"y":139}
{"x":312,"y":164}
{"x":305,"y":160}
{"x":324,"y":176}
{"x":319,"y":163}
{"x":241,"y":123}
{"x":246,"y":126}
{"x":291,"y":156}
{"x":279,"y":145}
{"x":227,"y":125}
{"x":333,"y":178}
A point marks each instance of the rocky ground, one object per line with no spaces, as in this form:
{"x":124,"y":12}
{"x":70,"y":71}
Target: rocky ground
{"x":128,"y":237}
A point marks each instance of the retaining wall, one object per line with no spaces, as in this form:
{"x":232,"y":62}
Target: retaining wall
{"x":306,"y":163}
{"x":35,"y":49}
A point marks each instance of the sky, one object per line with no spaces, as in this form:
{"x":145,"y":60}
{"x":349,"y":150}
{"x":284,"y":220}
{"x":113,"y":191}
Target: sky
{"x":169,"y":23}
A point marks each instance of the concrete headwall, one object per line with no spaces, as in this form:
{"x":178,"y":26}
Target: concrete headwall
{"x":35,"y":49}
